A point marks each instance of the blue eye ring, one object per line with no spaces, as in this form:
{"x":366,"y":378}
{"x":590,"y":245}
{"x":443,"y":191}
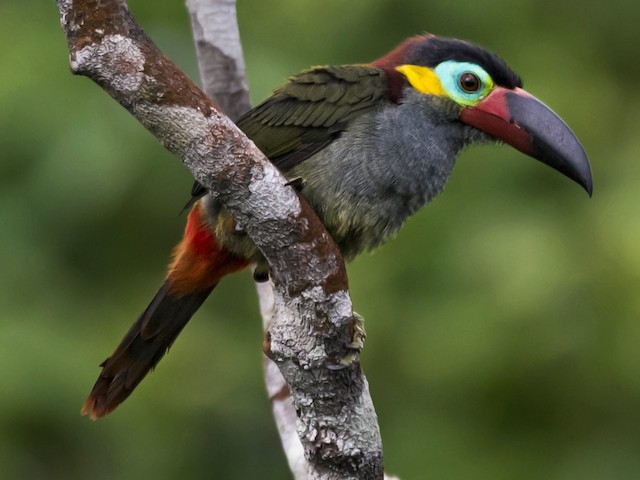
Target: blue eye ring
{"x":469,"y":82}
{"x":452,"y":73}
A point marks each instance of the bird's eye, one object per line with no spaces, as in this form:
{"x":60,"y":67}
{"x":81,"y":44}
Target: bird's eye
{"x":465,"y":83}
{"x":469,"y":82}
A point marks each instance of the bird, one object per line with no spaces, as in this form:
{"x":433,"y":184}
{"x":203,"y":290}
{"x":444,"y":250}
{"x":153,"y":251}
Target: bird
{"x":366,"y":145}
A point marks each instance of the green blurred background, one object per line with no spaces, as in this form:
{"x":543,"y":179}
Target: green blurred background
{"x":503,"y":323}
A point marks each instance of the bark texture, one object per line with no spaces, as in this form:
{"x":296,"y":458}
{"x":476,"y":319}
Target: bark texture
{"x":312,"y":326}
{"x":220,"y":57}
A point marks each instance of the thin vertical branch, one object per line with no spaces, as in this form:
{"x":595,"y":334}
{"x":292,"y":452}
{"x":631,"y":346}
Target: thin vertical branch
{"x":220,"y":57}
{"x":222,"y":72}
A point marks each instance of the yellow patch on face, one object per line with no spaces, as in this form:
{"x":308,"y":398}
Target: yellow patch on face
{"x":422,"y":79}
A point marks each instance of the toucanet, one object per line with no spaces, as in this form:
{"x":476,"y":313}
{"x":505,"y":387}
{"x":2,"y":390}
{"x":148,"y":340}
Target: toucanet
{"x":367,"y":145}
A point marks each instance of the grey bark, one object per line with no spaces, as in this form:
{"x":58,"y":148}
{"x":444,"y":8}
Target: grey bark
{"x":220,"y":58}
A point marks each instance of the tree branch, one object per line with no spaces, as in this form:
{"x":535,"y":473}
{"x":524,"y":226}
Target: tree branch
{"x":313,"y":321}
{"x":220,"y":58}
{"x":222,"y":72}
{"x":284,"y":411}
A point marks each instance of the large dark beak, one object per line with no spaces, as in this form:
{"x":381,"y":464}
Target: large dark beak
{"x":524,"y":122}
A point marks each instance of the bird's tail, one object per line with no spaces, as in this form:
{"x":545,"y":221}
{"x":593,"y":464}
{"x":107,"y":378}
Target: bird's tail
{"x":199,"y":263}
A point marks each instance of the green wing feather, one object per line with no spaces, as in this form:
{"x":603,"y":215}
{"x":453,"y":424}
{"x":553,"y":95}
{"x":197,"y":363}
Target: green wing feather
{"x":310,"y":111}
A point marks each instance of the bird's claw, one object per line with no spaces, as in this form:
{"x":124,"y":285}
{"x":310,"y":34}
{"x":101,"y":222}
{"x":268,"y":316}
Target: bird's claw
{"x":359,"y":334}
{"x":357,"y":344}
{"x":297,"y":183}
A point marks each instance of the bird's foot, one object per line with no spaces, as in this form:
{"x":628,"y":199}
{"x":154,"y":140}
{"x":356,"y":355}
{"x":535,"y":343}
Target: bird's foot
{"x":298,"y":183}
{"x":359,"y":334}
{"x":260,"y":275}
{"x":357,"y":344}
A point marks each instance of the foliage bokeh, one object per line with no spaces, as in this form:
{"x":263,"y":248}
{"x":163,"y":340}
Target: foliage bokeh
{"x":503,"y":322}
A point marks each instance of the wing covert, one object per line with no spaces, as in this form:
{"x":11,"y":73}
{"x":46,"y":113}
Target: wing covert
{"x":307,"y":113}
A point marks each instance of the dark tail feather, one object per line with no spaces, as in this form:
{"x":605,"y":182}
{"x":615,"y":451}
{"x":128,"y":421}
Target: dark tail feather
{"x":142,"y":348}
